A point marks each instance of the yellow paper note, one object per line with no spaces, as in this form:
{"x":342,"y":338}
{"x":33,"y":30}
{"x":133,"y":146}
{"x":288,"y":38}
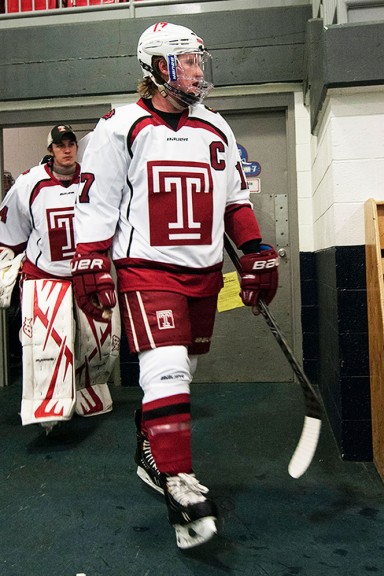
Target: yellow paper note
{"x":229,"y":294}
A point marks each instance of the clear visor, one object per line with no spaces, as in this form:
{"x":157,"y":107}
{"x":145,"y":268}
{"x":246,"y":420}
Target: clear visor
{"x":191,"y":74}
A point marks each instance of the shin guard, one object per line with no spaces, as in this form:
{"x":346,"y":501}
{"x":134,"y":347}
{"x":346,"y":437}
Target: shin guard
{"x":165,"y":377}
{"x":169,"y":435}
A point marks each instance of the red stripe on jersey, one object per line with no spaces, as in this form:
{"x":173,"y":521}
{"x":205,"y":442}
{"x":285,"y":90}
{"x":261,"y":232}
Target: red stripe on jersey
{"x":17,"y":249}
{"x":90,"y":247}
{"x":185,"y":120}
{"x":152,"y":264}
{"x":241,"y":224}
{"x":52,"y":181}
{"x":138,"y":126}
{"x":31,"y":272}
{"x":48,"y":183}
{"x":198,"y":285}
{"x":204,"y":125}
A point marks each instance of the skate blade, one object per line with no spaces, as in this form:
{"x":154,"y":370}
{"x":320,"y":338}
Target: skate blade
{"x":142,"y":474}
{"x":195,"y":533}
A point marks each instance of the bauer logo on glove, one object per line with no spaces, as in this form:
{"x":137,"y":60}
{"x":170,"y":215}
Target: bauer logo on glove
{"x":259,"y":275}
{"x":87,"y":264}
{"x":261,"y":264}
{"x":93,"y":285}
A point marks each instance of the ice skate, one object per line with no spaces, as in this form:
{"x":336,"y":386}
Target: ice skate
{"x":146,"y":466}
{"x":191,"y":514}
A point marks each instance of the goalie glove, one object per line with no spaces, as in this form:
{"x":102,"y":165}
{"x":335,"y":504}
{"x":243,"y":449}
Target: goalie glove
{"x":93,"y":285}
{"x":259,"y":276}
{"x":9,"y":270}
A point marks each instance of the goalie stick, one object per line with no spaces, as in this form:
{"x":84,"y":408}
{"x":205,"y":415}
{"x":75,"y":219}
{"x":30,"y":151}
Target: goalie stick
{"x":306,"y":447}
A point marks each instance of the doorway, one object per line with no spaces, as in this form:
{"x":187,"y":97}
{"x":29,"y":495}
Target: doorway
{"x":243,"y":348}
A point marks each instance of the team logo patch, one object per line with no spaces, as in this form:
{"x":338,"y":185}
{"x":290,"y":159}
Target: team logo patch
{"x":182,"y":194}
{"x":27,"y":327}
{"x":61,"y":233}
{"x":165,"y":319}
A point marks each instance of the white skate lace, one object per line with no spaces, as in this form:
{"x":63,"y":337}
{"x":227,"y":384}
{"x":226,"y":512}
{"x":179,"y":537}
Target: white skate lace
{"x":148,"y":455}
{"x":186,"y":489}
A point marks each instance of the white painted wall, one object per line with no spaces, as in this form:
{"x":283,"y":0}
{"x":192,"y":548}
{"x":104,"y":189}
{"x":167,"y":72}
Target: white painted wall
{"x":347,"y":166}
{"x":304,"y":174}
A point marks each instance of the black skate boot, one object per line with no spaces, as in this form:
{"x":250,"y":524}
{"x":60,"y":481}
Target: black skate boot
{"x":191,"y":514}
{"x":146,"y":466}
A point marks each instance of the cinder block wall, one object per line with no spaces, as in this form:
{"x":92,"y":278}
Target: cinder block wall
{"x":348,"y":169}
{"x":86,"y":58}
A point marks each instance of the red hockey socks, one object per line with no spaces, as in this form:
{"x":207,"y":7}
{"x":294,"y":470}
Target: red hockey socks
{"x":167,"y":423}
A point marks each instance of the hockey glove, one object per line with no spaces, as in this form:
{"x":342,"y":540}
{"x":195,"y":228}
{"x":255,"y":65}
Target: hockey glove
{"x":10,"y":266}
{"x":93,"y":285}
{"x":259,"y":276}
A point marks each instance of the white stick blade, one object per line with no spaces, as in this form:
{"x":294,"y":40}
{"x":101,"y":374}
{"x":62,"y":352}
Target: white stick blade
{"x":306,"y":447}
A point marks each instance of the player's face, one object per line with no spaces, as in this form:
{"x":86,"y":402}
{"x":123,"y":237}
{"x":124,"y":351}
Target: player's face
{"x":8,"y":183}
{"x":65,"y":153}
{"x":189,"y":72}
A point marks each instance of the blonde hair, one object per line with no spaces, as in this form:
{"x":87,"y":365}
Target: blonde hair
{"x":146,"y":88}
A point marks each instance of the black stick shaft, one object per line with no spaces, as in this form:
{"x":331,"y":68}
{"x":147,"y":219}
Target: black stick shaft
{"x":312,"y":401}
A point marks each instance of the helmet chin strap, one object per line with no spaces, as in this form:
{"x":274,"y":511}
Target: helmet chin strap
{"x":179,"y":99}
{"x":165,"y":94}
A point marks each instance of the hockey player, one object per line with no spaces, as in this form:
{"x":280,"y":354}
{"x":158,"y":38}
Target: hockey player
{"x":161,"y":182}
{"x":66,"y":363}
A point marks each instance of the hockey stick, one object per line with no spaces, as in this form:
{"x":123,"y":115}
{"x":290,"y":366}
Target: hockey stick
{"x":309,"y":438}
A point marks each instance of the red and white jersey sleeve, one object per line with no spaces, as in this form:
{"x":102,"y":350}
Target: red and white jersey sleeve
{"x":38,"y":214}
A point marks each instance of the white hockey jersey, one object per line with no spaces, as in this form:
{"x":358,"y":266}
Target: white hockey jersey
{"x":37,"y":214}
{"x":161,"y":194}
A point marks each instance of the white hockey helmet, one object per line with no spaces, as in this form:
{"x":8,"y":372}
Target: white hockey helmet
{"x":170,"y":41}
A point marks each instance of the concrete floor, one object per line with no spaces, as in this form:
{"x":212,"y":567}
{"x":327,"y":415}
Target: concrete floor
{"x":72,"y":503}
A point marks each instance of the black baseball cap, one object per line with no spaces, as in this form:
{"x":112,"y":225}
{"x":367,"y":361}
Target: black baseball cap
{"x":58,"y":132}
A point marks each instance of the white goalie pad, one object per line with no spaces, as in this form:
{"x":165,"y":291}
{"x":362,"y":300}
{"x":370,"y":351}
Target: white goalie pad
{"x":9,"y":270}
{"x":48,"y":331}
{"x":97,"y":348}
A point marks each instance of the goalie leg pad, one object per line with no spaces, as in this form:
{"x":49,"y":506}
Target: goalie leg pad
{"x":97,"y":348}
{"x":47,"y":337}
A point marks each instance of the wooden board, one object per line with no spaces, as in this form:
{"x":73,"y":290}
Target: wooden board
{"x":374,"y":237}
